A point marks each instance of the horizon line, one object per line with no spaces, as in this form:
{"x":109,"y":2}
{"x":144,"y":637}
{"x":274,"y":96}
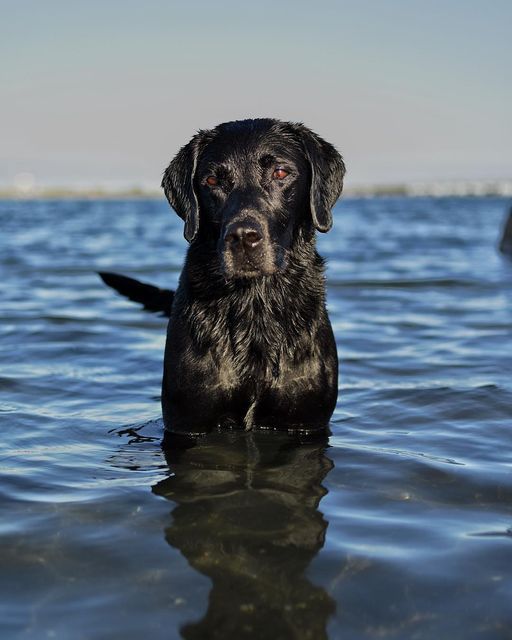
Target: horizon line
{"x":484,"y":187}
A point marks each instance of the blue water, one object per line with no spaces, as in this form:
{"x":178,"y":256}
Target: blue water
{"x":399,"y":527}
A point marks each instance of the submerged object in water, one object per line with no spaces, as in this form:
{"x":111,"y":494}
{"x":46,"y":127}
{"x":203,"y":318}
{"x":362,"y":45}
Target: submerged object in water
{"x":506,"y":238}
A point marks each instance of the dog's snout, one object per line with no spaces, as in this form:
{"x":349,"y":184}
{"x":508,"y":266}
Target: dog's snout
{"x":252,"y":237}
{"x":245,"y":247}
{"x":248,"y":236}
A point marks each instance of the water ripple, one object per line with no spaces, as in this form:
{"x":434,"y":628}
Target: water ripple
{"x":398,"y":527}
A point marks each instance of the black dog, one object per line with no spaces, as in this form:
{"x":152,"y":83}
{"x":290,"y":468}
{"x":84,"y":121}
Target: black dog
{"x":249,"y":342}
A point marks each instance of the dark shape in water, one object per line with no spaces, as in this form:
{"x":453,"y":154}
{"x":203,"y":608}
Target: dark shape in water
{"x":506,"y":238}
{"x":153,"y":298}
{"x":247,"y":517}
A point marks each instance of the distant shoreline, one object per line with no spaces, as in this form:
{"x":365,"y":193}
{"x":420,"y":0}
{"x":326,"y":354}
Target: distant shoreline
{"x":79,"y":194}
{"x":482,"y":188}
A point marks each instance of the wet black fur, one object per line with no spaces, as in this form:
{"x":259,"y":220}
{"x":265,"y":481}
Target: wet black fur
{"x":153,"y":298}
{"x":249,"y":343}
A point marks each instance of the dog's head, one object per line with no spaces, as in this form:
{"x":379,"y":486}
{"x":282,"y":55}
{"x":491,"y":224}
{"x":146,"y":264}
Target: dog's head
{"x":249,"y":185}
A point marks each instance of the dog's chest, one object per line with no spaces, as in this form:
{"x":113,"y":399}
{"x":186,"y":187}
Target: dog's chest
{"x":246,"y":356}
{"x":243,"y":340}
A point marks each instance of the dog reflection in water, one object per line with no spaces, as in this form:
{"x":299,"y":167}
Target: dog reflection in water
{"x":247,"y":517}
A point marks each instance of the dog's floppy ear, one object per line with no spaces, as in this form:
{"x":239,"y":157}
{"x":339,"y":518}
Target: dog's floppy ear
{"x":178,"y":184}
{"x":327,"y":172}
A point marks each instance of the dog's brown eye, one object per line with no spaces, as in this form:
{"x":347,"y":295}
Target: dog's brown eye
{"x":211,"y":181}
{"x":279,"y":174}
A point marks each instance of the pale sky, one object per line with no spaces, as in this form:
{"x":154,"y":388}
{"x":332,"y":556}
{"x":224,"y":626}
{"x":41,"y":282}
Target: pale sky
{"x":103,"y":93}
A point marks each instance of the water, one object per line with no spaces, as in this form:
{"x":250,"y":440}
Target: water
{"x":399,"y":527}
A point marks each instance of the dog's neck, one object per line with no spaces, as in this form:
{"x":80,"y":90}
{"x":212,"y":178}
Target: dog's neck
{"x":264,"y":317}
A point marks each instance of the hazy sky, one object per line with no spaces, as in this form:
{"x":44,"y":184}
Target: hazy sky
{"x":105,"y":92}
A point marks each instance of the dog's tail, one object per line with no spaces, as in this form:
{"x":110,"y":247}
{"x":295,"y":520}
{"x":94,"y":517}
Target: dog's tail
{"x":153,"y":298}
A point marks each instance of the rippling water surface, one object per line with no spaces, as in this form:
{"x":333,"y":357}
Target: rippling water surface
{"x":398,"y":526}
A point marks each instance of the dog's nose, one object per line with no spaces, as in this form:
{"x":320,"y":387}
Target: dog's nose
{"x":244,"y":235}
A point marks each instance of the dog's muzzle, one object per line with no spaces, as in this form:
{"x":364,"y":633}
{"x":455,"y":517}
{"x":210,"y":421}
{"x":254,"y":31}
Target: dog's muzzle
{"x":246,"y":250}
